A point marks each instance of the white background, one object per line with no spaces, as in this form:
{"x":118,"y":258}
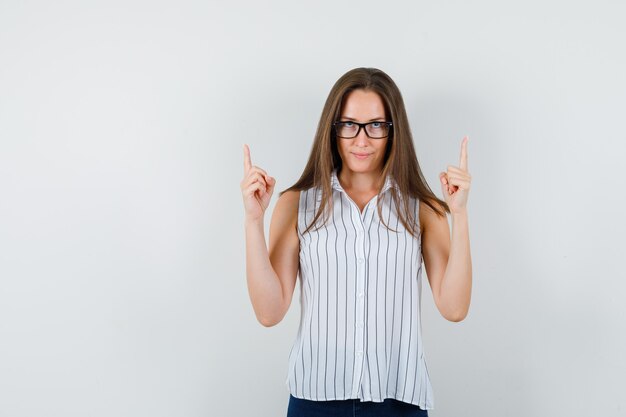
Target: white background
{"x":122,"y":252}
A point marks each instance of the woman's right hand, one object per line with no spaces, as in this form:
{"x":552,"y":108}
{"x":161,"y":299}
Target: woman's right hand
{"x":257,"y":188}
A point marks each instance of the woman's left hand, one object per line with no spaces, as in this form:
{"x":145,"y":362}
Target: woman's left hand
{"x":455,"y":182}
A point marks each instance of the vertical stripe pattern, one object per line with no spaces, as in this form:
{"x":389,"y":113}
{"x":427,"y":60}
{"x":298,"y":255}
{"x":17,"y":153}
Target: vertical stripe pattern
{"x":359,"y":335}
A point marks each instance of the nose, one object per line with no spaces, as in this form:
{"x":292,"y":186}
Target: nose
{"x":362,"y":139}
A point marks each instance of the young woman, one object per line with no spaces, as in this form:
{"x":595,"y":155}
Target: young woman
{"x":356,"y":227}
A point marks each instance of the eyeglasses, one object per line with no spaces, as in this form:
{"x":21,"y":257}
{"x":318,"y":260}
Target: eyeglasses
{"x":374,"y":130}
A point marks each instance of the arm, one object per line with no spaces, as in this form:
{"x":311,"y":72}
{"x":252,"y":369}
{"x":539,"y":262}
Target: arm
{"x":448,"y":262}
{"x":271,"y":275}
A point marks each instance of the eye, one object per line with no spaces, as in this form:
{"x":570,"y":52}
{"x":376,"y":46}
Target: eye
{"x":347,"y":124}
{"x":376,"y":124}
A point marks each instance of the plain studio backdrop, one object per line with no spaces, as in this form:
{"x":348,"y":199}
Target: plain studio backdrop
{"x":122,"y":251}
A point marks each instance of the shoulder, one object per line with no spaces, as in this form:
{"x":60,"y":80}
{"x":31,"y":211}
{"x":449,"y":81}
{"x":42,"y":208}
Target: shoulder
{"x":429,"y":219}
{"x":287,"y":205}
{"x":289,"y":198}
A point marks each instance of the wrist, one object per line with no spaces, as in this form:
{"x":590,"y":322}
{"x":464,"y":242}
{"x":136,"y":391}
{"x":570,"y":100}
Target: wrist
{"x":250,"y":222}
{"x":462,"y":214}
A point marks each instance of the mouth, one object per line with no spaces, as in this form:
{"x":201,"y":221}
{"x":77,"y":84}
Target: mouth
{"x":360,"y":155}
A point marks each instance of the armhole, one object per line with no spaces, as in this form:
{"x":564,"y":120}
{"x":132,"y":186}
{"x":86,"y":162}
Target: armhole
{"x":301,"y":198}
{"x":417,"y":213}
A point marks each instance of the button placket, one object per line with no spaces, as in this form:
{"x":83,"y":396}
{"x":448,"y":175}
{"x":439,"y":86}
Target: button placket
{"x":360,"y":318}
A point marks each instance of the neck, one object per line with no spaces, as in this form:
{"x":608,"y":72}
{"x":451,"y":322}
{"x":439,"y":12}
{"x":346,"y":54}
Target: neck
{"x":361,"y":181}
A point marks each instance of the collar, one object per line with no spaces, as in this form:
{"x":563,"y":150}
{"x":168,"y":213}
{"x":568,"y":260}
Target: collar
{"x":389,"y":182}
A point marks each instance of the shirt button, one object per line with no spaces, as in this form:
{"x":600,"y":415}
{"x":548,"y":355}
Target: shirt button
{"x":359,"y":353}
{"x":360,"y":325}
{"x":360,"y":295}
{"x":360,"y":260}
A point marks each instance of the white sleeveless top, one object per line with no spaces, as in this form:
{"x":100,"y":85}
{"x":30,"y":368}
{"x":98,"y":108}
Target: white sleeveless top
{"x":360,"y":296}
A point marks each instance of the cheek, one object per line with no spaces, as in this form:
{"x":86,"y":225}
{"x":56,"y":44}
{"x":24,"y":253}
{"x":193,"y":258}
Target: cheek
{"x":381,"y":149}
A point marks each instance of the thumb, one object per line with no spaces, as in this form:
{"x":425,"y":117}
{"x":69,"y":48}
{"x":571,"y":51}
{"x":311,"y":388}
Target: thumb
{"x":444,"y":183}
{"x":271,"y":182}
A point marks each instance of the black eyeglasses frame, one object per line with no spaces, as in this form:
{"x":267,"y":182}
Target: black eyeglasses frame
{"x":361,"y":126}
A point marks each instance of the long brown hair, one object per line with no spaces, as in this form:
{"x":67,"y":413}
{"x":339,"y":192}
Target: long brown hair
{"x":400,"y":160}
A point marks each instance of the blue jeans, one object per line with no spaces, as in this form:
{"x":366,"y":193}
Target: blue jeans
{"x":299,"y":407}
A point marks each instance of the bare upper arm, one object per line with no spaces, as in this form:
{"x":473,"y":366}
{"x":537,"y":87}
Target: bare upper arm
{"x":435,"y":248}
{"x":284,"y":245}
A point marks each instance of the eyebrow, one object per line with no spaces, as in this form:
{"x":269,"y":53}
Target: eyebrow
{"x":371,"y":120}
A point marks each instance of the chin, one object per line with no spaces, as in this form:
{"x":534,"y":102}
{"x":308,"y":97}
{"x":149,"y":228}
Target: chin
{"x":360,"y":168}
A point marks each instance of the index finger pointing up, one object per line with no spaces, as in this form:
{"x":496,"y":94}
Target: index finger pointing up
{"x":463,"y":160}
{"x":247,"y":163}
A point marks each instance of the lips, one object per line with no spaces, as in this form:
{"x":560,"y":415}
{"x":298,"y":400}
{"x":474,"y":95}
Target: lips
{"x":360,"y":155}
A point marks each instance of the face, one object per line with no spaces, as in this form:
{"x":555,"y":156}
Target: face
{"x":361,"y":153}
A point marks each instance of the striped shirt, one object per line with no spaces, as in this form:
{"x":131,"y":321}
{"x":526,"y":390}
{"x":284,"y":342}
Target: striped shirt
{"x":360,"y":296}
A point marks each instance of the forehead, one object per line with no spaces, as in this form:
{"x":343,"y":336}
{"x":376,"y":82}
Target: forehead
{"x":363,"y":104}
